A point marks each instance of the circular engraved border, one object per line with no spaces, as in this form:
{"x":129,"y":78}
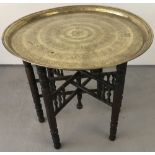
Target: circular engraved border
{"x":143,"y":26}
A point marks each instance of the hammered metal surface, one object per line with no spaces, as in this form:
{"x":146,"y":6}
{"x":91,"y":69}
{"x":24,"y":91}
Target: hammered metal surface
{"x":79,"y":40}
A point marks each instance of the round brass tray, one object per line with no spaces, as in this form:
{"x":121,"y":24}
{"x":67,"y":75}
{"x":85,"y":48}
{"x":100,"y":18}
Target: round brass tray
{"x":78,"y":37}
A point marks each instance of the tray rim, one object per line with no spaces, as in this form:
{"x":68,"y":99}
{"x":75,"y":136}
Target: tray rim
{"x":81,"y":8}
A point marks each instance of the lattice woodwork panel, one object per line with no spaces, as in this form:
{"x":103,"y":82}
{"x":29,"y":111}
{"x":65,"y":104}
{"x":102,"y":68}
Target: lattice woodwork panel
{"x":106,"y":92}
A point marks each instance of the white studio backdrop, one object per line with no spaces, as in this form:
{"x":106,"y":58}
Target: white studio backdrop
{"x":11,"y":12}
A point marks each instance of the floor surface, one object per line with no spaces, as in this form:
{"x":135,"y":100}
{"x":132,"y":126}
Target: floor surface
{"x":79,"y":130}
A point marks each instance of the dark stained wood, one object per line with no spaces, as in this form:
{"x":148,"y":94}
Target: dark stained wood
{"x":79,"y":92}
{"x":34,"y":90}
{"x":109,"y":89}
{"x":117,"y":101}
{"x":48,"y":100}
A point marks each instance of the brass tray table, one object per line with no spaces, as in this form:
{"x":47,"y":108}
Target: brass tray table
{"x":82,"y":39}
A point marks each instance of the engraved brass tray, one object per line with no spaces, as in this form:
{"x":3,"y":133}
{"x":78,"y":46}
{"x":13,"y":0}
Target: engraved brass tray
{"x":78,"y":37}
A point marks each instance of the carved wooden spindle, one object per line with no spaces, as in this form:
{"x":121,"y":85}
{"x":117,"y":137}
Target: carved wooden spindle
{"x":103,"y":92}
{"x":59,"y":97}
{"x":117,"y":98}
{"x":50,"y":74}
{"x":46,"y":91}
{"x":103,"y":89}
{"x":99,"y":84}
{"x":79,"y":92}
{"x":113,"y":79}
{"x":109,"y":90}
{"x":109,"y":96}
{"x":34,"y":90}
{"x":63,"y":96}
{"x":63,"y":90}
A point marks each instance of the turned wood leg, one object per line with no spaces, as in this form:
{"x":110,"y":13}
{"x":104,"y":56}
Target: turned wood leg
{"x":79,"y":92}
{"x":48,"y":100}
{"x":99,"y":85}
{"x":34,"y":90}
{"x":117,"y":99}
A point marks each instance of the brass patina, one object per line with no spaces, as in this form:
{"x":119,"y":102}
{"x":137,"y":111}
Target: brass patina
{"x":78,"y":37}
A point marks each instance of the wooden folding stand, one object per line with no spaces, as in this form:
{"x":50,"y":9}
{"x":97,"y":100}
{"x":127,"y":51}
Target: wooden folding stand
{"x":109,"y":89}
